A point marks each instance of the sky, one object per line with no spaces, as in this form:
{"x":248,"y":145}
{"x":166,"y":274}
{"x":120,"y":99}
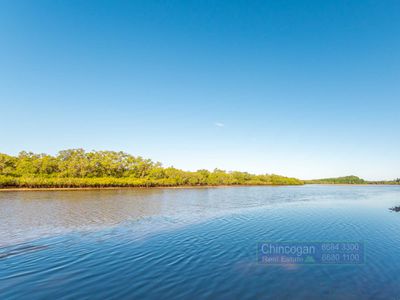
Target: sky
{"x":309,"y":89}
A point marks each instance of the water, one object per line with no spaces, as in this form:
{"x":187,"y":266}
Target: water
{"x":194,"y":243}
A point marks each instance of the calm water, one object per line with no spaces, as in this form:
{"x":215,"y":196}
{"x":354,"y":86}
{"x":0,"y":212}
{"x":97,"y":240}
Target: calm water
{"x":194,"y":243}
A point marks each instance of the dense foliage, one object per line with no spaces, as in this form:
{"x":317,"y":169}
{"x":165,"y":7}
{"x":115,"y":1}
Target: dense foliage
{"x":78,"y":168}
{"x":339,"y":180}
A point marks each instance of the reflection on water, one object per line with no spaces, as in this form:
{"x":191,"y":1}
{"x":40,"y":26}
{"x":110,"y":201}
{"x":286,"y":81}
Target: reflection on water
{"x":194,"y":243}
{"x":27,"y":215}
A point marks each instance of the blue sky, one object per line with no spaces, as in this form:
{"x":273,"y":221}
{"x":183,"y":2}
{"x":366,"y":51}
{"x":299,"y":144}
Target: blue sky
{"x":301,"y":88}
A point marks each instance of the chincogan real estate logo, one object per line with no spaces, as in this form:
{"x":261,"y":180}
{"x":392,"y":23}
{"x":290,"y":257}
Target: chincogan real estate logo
{"x":311,"y":253}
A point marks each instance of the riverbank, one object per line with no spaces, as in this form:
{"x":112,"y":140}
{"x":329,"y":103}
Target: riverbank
{"x":175,"y":180}
{"x":76,"y":168}
{"x":136,"y":187}
{"x":22,"y":189}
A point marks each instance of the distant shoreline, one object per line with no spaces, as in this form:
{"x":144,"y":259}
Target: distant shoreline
{"x":78,"y":169}
{"x":24,"y":189}
{"x":355,"y":184}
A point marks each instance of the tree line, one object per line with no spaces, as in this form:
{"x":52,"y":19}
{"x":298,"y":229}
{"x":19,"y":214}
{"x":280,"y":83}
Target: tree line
{"x":79,"y":168}
{"x":350,"y":180}
{"x":339,"y":180}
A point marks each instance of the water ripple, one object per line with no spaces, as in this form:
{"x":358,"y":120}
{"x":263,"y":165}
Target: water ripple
{"x":206,"y":249}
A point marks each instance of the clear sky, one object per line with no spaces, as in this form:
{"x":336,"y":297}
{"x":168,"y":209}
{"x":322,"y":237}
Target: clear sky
{"x":300,"y":88}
